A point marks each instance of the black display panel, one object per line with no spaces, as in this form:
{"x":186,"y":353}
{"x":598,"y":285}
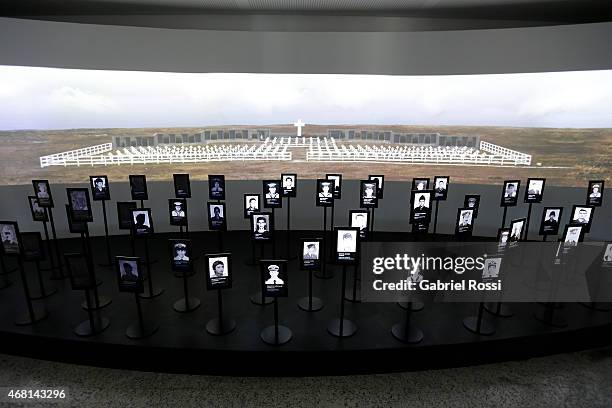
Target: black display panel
{"x":181,"y":259}
{"x":535,"y":190}
{"x":262,"y":226}
{"x":551,"y":219}
{"x":421,"y":206}
{"x":337,"y":179}
{"x":177,"y":211}
{"x":311,"y":253}
{"x":367,"y":196}
{"x":38,"y":213}
{"x":129,"y":274}
{"x":347,"y":245}
{"x":42,"y":191}
{"x":251,"y":204}
{"x":100,"y":189}
{"x":360,"y":219}
{"x":274,"y":278}
{"x":289,"y":188}
{"x":472,"y":201}
{"x":217,"y":216}
{"x":440,"y":188}
{"x":583,"y":215}
{"x":80,"y":206}
{"x":595,"y":193}
{"x":10,"y":238}
{"x":420,"y":183}
{"x":325,"y":193}
{"x":142,"y":222}
{"x":510,"y":192}
{"x":218,"y":271}
{"x":79,"y":271}
{"x":138,"y":187}
{"x":182,"y":185}
{"x":124,"y":214}
{"x":380,"y":185}
{"x":465,"y":221}
{"x":216,"y":187}
{"x":271,"y":194}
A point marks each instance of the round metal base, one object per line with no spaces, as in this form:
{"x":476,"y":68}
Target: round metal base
{"x":499,"y":309}
{"x":257,"y":300}
{"x":416,"y":305}
{"x":547,"y":317}
{"x":597,"y":306}
{"x":268,"y":335}
{"x":156,"y":292}
{"x":348,"y":328}
{"x":40,"y":313}
{"x":486,"y":327}
{"x":181,"y":305}
{"x":136,"y":332}
{"x":218,"y":327}
{"x":411,"y":336}
{"x":103,"y":302}
{"x":48,"y":292}
{"x":316,"y":305}
{"x":99,"y":325}
{"x":327,"y":275}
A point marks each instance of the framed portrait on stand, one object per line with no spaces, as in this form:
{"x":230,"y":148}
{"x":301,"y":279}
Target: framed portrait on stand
{"x":595,"y":193}
{"x":42,"y":191}
{"x":177,"y":210}
{"x":272,"y":197}
{"x":325,"y":193}
{"x":440,"y":188}
{"x":218,"y":271}
{"x":138,"y":187}
{"x":216,"y":216}
{"x":337,"y":179}
{"x":80,"y":206}
{"x":38,"y":212}
{"x":510,"y":192}
{"x":100,"y":189}
{"x":380,"y":185}
{"x":289,"y":188}
{"x":216,"y":187}
{"x":368,"y":190}
{"x":182,"y":186}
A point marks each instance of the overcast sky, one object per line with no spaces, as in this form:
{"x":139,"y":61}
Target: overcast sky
{"x":50,"y":98}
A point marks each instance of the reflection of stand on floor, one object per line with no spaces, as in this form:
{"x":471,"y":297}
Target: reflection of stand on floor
{"x":353,"y":294}
{"x":5,"y":281}
{"x":546,"y":314}
{"x":276,"y":335}
{"x":34,"y":314}
{"x":479,"y":324}
{"x":109,"y":258}
{"x":220,"y":325}
{"x":99,"y":301}
{"x":141,"y":329}
{"x":258,"y":298}
{"x":186,"y":304}
{"x":324,"y":273}
{"x":342,"y":327}
{"x":95,"y":324}
{"x":309,"y":303}
{"x":406,"y":332}
{"x":60,"y":273}
{"x":152,"y":293}
{"x":44,"y":293}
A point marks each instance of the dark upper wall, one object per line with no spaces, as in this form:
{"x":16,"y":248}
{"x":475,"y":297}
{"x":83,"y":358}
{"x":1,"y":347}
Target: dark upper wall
{"x":534,"y":49}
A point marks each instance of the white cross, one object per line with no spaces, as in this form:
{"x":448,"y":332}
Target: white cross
{"x":299,"y":125}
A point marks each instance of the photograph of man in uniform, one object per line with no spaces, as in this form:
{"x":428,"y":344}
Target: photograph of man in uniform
{"x":99,"y":189}
{"x":217,"y":187}
{"x":420,"y":206}
{"x":180,"y":252}
{"x":325,"y":189}
{"x":491,"y":268}
{"x":177,"y":210}
{"x":10,"y":243}
{"x":251,"y":204}
{"x":595,"y":193}
{"x":271,"y":195}
{"x":272,"y":187}
{"x":464,"y":223}
{"x":311,"y":250}
{"x":273,"y":279}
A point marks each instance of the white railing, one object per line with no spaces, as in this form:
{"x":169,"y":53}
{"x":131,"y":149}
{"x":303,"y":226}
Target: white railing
{"x":58,"y":159}
{"x":522,"y":158}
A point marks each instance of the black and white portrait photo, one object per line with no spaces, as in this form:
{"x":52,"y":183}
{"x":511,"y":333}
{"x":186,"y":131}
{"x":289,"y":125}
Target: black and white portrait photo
{"x":218,"y":271}
{"x":472,"y":201}
{"x":124,"y":214}
{"x":420,"y":184}
{"x":261,"y":227}
{"x":582,"y":214}
{"x":572,"y":235}
{"x":177,"y":208}
{"x":325,"y":193}
{"x":78,"y":271}
{"x":289,"y":185}
{"x":10,"y":238}
{"x":42,"y":191}
{"x":535,"y":190}
{"x":421,"y":206}
{"x":128,"y":274}
{"x":465,"y":221}
{"x":216,"y":187}
{"x":360,"y":219}
{"x":503,"y":236}
{"x":595,"y":193}
{"x":491,"y":268}
{"x":216,"y":216}
{"x":38,"y":212}
{"x":549,"y":225}
{"x":138,"y":187}
{"x":182,"y":185}
{"x":380,"y":185}
{"x":440,"y":188}
{"x":607,"y":256}
{"x":99,"y":188}
{"x":181,"y":255}
{"x":142,"y":224}
{"x":516,"y":229}
{"x":272,"y":198}
{"x":251,"y":204}
{"x":78,"y":198}
{"x":368,"y":198}
{"x":510,"y":193}
{"x":311,"y":253}
{"x":337,"y":179}
{"x":346,"y":245}
{"x":274,"y":278}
